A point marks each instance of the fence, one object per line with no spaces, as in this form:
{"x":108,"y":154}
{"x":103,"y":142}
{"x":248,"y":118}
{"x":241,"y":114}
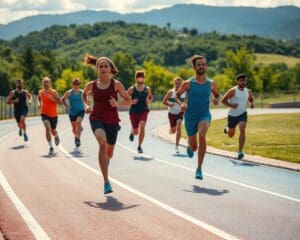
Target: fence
{"x":262,"y":100}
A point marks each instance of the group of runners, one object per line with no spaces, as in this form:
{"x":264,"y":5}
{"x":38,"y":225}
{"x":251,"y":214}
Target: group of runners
{"x":188,"y":100}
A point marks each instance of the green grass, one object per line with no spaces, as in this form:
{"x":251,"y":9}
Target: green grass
{"x":273,"y":135}
{"x":275,"y":58}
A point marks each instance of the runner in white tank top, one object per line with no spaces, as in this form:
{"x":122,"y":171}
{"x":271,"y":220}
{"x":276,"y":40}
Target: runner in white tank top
{"x":175,"y":113}
{"x":236,"y":99}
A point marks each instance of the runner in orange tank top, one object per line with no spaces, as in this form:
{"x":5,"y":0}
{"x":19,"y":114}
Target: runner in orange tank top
{"x":47,"y":101}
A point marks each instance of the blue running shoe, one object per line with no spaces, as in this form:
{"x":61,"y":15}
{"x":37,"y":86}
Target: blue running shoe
{"x":131,"y":137}
{"x":107,"y":188}
{"x":189,"y":152}
{"x":199,"y":174}
{"x":25,"y":137}
{"x":240,"y":155}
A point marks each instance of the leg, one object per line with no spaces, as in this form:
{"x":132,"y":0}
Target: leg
{"x":78,"y":127}
{"x":178,"y":131}
{"x":47,"y":128}
{"x":102,"y":154}
{"x":203,"y":128}
{"x":231,"y":132}
{"x":22,"y":123}
{"x":142,"y":132}
{"x":242,"y":138}
{"x":74,"y":126}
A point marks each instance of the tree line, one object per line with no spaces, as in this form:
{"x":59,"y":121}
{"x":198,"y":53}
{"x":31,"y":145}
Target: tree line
{"x":58,"y":52}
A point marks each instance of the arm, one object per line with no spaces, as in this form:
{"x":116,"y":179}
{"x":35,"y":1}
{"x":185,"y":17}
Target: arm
{"x":10,"y":97}
{"x":39,"y":100}
{"x":251,"y":99}
{"x":215,"y":93}
{"x":121,"y":90}
{"x":86,"y":91}
{"x":28,"y":94}
{"x":65,"y":96}
{"x":166,"y":99}
{"x":130,"y":92}
{"x":225,"y":100}
{"x":56,"y":98}
{"x":150,"y":96}
{"x":183,"y":88}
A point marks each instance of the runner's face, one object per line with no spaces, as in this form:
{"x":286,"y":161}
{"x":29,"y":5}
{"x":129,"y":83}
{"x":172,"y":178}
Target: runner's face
{"x":46,"y":83}
{"x":177,"y":84}
{"x":140,"y":80}
{"x":19,"y":85}
{"x":104,"y":68}
{"x":242,"y":83}
{"x":200,"y":66}
{"x":76,"y":85}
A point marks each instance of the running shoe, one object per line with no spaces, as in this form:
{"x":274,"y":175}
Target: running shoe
{"x":77,"y":142}
{"x":176,"y":150}
{"x":226,"y":130}
{"x":240,"y":155}
{"x":131,"y":137}
{"x":199,"y":174}
{"x":25,"y":137}
{"x":107,"y":188}
{"x":189,"y":152}
{"x":139,"y":149}
{"x":20,"y":132}
{"x":56,"y":140}
{"x":51,"y":151}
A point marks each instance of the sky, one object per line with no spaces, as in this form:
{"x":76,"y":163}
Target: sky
{"x":11,"y":10}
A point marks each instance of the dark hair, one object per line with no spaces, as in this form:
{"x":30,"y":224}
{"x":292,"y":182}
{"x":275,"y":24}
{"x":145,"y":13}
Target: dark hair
{"x":19,"y":80}
{"x":89,"y":59}
{"x":139,"y":73}
{"x":76,"y":80}
{"x":196,"y":57}
{"x":241,"y":76}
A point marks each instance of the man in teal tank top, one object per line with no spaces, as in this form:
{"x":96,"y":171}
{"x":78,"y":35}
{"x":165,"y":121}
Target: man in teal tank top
{"x":197,"y":115}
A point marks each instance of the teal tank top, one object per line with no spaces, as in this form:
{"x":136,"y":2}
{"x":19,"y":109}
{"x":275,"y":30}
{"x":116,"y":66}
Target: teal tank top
{"x":198,"y":100}
{"x":76,"y":103}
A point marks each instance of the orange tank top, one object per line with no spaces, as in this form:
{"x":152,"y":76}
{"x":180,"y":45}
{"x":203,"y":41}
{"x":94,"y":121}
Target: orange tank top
{"x":48,"y":107}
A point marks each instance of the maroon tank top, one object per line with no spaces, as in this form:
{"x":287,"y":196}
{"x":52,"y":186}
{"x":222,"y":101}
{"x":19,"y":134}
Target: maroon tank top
{"x":102,"y":110}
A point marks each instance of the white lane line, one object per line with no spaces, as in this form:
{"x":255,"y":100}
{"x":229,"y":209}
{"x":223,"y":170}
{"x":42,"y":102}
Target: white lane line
{"x":162,"y":205}
{"x":216,"y":177}
{"x":32,"y":224}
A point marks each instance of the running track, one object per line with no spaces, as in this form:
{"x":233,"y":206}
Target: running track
{"x":155,"y":194}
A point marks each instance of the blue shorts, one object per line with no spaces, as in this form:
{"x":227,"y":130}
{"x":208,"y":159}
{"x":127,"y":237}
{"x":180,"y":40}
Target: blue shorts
{"x":191,"y":126}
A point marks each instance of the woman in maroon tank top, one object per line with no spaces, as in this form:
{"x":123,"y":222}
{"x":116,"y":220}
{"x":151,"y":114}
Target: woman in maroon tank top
{"x":104,"y":116}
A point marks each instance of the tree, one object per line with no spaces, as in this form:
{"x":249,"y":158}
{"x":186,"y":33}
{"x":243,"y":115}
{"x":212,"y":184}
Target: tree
{"x":126,"y":66}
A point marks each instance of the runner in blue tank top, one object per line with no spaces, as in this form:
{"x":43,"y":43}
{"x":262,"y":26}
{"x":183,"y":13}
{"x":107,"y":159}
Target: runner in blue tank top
{"x":197,"y":116}
{"x":75,"y":109}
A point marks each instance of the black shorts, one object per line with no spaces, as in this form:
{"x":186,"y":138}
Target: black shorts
{"x":111,"y":130}
{"x":73,"y":118}
{"x":19,"y":113}
{"x":52,"y":120}
{"x":173,"y":118}
{"x":233,"y":121}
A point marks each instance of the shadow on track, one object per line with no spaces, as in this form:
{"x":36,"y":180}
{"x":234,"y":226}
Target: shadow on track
{"x":141,"y":158}
{"x":77,"y":153}
{"x":22,"y":146}
{"x":209,"y":191}
{"x":243,"y":164}
{"x":111,"y":204}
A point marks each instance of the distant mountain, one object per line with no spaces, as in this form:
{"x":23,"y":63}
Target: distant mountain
{"x":279,"y":23}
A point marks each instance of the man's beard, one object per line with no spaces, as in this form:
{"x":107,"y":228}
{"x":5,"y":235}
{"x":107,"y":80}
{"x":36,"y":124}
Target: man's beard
{"x":200,"y":72}
{"x":19,"y":87}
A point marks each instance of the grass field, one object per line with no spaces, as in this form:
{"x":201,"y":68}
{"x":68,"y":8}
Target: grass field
{"x":273,"y":136}
{"x":275,"y":58}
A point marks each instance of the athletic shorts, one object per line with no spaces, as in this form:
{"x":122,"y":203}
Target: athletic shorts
{"x":73,"y":118}
{"x":52,"y":120}
{"x":233,"y":121}
{"x":19,"y":113}
{"x":136,"y":118}
{"x":173,"y":118}
{"x":111,"y":130}
{"x":191,"y":126}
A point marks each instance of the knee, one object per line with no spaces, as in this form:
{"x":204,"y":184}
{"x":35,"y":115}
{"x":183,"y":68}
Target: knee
{"x":173,"y":130}
{"x":135,"y":131}
{"x":194,"y":147}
